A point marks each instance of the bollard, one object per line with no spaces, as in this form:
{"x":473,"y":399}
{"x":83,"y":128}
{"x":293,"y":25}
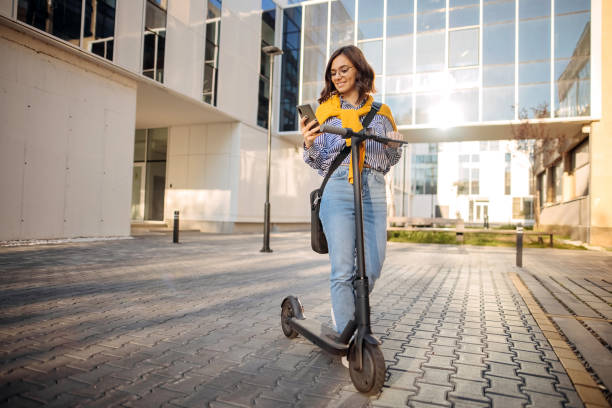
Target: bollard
{"x":175,"y":232}
{"x":519,"y":246}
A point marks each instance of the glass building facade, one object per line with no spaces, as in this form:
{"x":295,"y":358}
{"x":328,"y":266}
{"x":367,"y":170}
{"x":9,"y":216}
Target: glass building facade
{"x":89,"y":24}
{"x":446,"y":62}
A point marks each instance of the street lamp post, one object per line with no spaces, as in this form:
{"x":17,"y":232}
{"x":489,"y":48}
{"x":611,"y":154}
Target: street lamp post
{"x":271,"y":51}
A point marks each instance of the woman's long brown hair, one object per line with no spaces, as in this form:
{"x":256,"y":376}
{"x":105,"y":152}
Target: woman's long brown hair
{"x":364,"y":81}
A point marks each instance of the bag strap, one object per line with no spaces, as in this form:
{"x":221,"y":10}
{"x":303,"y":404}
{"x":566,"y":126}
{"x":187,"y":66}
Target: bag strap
{"x":346,"y":150}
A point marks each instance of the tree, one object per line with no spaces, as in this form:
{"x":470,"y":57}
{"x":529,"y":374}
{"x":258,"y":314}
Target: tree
{"x":542,"y":146}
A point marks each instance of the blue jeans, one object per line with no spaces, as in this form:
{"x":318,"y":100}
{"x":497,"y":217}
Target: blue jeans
{"x":337,"y":214}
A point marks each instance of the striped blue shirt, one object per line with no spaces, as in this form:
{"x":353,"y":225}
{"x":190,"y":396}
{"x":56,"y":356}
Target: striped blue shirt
{"x":327,"y":146}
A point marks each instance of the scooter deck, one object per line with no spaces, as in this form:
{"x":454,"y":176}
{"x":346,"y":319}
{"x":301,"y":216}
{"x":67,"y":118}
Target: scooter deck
{"x":320,"y":335}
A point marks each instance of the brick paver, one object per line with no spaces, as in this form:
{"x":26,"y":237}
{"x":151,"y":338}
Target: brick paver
{"x":144,"y":322}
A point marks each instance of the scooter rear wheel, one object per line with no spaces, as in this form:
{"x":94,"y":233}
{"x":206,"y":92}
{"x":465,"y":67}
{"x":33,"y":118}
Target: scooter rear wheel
{"x":286,"y":314}
{"x":372,"y":375}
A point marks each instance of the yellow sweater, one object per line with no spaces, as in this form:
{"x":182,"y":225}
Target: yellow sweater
{"x":350,"y":119}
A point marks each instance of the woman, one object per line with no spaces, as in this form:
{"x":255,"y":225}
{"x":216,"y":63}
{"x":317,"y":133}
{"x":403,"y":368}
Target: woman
{"x":344,"y":101}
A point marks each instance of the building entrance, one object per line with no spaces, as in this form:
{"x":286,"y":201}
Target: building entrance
{"x":149,"y":175}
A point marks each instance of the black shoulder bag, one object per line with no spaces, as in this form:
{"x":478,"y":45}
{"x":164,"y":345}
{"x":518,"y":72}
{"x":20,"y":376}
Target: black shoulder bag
{"x":318,"y":242}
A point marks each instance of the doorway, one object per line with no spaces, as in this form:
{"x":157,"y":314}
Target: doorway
{"x":480,"y":211}
{"x":149,"y":174}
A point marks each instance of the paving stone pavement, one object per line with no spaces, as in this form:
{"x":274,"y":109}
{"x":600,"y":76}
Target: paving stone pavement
{"x":145,"y":323}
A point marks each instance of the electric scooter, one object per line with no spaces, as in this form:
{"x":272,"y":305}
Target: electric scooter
{"x":366,"y":360}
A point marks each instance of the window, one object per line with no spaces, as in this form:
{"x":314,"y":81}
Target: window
{"x":522,"y":208}
{"x":508,"y":174}
{"x":534,"y":56}
{"x":211,"y":52}
{"x":424,"y":169}
{"x":315,"y":51}
{"x":572,"y":58}
{"x":498,"y":59}
{"x":579,"y":169}
{"x":268,"y":18}
{"x":292,"y":26}
{"x":91,"y":27}
{"x":469,"y":175}
{"x":154,"y":40}
{"x":541,"y":185}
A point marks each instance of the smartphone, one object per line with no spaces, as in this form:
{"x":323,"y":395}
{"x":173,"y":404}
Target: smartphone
{"x":306,"y":111}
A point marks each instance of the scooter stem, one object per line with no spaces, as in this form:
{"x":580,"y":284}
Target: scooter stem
{"x":362,"y":301}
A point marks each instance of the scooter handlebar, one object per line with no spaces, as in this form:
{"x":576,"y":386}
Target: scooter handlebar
{"x":346,"y":133}
{"x":334,"y":129}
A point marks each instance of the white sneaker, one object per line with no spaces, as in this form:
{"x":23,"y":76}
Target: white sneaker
{"x":344,"y":361}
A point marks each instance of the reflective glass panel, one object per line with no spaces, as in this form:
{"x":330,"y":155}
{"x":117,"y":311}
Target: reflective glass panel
{"x":431,"y":81}
{"x":430,"y":52}
{"x":569,"y":32}
{"x":431,"y":21}
{"x":399,"y":7}
{"x":459,"y":3}
{"x":315,"y":42}
{"x":495,"y":12}
{"x":464,"y":78}
{"x":534,"y":72}
{"x":573,"y":97}
{"x":400,"y":25}
{"x":534,"y":97}
{"x":463,"y":47}
{"x":154,"y":42}
{"x":534,"y":40}
{"x":427,"y":107}
{"x":370,"y":24}
{"x":61,"y":18}
{"x":466,"y":16}
{"x":424,"y":5}
{"x":569,"y":6}
{"x":464,"y":103}
{"x":342,"y":29}
{"x":534,"y":8}
{"x":292,"y":21}
{"x":139,"y":145}
{"x":99,"y":29}
{"x":498,"y":103}
{"x":401,"y":107}
{"x":157,"y":144}
{"x":399,"y":54}
{"x":494,"y":75}
{"x":398,"y":84}
{"x":373,"y":53}
{"x":498,"y":44}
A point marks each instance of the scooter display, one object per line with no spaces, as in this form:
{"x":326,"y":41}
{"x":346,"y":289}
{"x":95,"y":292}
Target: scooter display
{"x":366,"y":360}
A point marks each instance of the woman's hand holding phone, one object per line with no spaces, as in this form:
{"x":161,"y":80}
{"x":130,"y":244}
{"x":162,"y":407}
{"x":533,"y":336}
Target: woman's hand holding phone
{"x":310,"y":131}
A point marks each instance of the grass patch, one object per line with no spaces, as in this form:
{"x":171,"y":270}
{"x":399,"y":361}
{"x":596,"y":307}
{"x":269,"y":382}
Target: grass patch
{"x":422,"y":237}
{"x":480,"y":239}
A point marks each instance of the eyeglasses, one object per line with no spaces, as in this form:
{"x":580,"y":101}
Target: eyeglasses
{"x":341,"y":72}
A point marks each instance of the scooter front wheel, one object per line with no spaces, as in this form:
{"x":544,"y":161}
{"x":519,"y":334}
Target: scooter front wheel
{"x":286,"y":314}
{"x":370,"y":379}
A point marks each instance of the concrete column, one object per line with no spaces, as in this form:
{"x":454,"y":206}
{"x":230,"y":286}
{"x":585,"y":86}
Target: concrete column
{"x":239,"y":53}
{"x":600,"y":142}
{"x":184,"y":62}
{"x":6,"y":8}
{"x":129,"y":26}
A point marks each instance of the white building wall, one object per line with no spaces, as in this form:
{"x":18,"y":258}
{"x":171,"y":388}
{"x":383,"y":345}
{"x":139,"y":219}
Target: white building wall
{"x":216,"y":177}
{"x":185,"y":39}
{"x":6,"y":8}
{"x":129,"y":29}
{"x":66,"y":143}
{"x":239,"y":54}
{"x":491,"y":182}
